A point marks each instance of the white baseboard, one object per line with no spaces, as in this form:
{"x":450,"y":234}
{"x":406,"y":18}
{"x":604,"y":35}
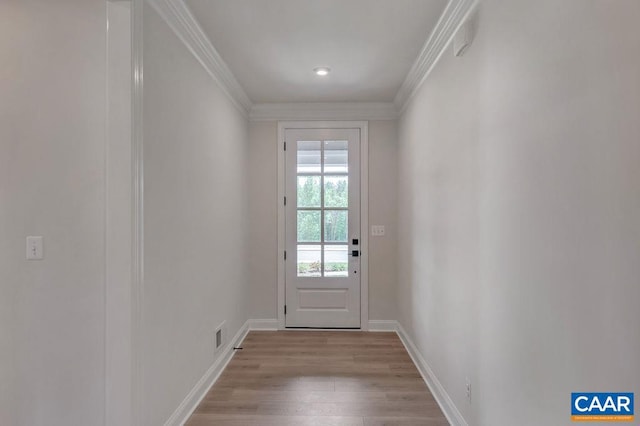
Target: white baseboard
{"x":263,"y":324}
{"x":445,"y":402}
{"x":383,"y":325}
{"x":189,"y":404}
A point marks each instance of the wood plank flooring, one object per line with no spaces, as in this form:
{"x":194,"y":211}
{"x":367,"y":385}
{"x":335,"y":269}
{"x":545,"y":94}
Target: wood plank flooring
{"x":320,"y":378}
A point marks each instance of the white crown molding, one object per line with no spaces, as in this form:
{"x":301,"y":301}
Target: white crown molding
{"x":324,"y":111}
{"x":178,"y":16}
{"x":180,"y":19}
{"x":453,"y":16}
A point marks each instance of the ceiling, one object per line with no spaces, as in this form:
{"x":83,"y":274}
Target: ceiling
{"x":272,"y":46}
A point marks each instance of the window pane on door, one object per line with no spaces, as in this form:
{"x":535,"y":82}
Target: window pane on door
{"x":309,"y":156}
{"x":336,"y":157}
{"x":309,"y":191}
{"x":336,"y":261}
{"x":309,"y":261}
{"x":336,"y":191}
{"x":322,"y":201}
{"x":335,"y":226}
{"x":309,"y":226}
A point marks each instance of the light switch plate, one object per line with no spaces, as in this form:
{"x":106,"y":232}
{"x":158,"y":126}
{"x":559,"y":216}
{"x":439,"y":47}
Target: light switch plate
{"x":35,"y":248}
{"x":377,"y":230}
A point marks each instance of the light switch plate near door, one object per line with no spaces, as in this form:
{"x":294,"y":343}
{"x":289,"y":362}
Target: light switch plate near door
{"x":377,"y":230}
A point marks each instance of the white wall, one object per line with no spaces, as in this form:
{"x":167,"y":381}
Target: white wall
{"x":263,"y":220}
{"x":263,"y":208}
{"x":195,"y":195}
{"x":52,"y":183}
{"x":383,"y":173}
{"x":119,"y":353}
{"x":520,"y":210}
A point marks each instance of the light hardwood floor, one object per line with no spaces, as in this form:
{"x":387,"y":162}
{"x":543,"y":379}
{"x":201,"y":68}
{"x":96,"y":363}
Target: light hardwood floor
{"x":286,"y":378}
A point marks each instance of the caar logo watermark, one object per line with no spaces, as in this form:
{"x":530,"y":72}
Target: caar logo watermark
{"x":601,"y":407}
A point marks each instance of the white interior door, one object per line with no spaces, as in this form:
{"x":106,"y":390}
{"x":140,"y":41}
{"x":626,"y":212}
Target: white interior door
{"x":322,"y":228}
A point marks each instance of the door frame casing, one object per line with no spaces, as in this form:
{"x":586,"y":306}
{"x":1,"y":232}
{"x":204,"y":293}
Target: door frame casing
{"x":363,"y":126}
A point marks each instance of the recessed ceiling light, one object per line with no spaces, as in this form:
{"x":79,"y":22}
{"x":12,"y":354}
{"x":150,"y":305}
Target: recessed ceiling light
{"x":322,"y":71}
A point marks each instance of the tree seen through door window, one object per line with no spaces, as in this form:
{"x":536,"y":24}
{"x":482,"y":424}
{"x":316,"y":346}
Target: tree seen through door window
{"x":335,"y":195}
